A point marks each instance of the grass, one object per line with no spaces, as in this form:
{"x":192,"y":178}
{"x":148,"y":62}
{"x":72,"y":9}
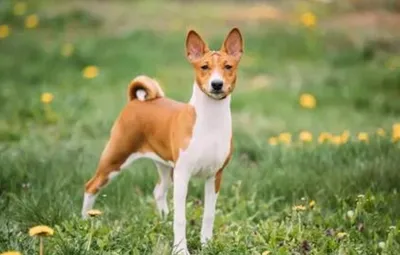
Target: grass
{"x":48,"y":151}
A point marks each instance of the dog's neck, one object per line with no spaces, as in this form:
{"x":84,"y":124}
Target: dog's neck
{"x":213,"y":113}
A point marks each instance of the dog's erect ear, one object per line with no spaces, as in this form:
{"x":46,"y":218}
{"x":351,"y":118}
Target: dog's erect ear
{"x":195,"y":46}
{"x":233,"y":44}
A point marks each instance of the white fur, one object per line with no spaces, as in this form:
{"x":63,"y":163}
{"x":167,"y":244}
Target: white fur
{"x":88,"y":202}
{"x":215,"y":76}
{"x":161,"y":190}
{"x":210,"y":198}
{"x":149,"y":155}
{"x":113,"y":174}
{"x":211,"y":137}
{"x":205,"y":155}
{"x":141,"y":94}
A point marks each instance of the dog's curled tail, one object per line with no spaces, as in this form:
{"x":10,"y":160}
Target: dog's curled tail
{"x":144,"y":88}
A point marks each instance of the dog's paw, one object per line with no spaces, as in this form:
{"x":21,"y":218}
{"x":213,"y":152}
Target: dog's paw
{"x":180,"y":250}
{"x":84,"y":215}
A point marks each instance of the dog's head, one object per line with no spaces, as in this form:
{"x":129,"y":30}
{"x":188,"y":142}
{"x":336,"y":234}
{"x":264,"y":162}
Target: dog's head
{"x":215,"y":70}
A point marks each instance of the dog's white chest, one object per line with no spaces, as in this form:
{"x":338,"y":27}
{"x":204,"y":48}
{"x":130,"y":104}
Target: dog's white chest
{"x":207,"y":151}
{"x":210,"y":144}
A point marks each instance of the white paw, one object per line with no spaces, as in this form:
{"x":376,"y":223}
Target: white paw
{"x":162,"y":210}
{"x":180,"y":250}
{"x":205,"y":239}
{"x":84,"y":215}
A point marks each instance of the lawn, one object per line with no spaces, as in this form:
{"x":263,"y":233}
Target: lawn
{"x":316,"y":116}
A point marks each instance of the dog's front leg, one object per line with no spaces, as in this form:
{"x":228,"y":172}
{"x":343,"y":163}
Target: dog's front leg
{"x":210,"y":199}
{"x":181,"y":178}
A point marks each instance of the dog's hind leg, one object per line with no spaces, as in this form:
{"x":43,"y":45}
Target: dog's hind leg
{"x":93,"y":186}
{"x":161,"y":189}
{"x":103,"y":175}
{"x":114,"y":158}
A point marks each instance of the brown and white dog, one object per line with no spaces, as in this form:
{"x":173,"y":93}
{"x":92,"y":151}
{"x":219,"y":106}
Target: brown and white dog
{"x":183,"y":139}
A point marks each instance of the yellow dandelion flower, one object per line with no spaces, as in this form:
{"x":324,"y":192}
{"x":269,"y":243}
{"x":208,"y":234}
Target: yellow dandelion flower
{"x":308,"y":19}
{"x":305,"y":136}
{"x":312,"y":204}
{"x":266,"y":253}
{"x":20,"y":8}
{"x":90,"y":72}
{"x":396,"y":132}
{"x":344,"y":137}
{"x":31,"y":21}
{"x":67,"y":49}
{"x":380,"y":132}
{"x":341,"y":235}
{"x":396,"y":126}
{"x":94,"y":213}
{"x":336,"y":139}
{"x":4,"y":31}
{"x":308,"y":101}
{"x":299,"y":208}
{"x":41,"y":230}
{"x":363,"y":136}
{"x":285,"y":137}
{"x":273,"y":141}
{"x":11,"y":253}
{"x":47,"y":98}
{"x":324,"y":137}
{"x":396,"y":138}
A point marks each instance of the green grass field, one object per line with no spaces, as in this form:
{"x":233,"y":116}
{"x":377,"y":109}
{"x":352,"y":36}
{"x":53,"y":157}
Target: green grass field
{"x":49,"y":150}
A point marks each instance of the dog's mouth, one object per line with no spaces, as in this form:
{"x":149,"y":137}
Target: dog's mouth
{"x":219,"y":94}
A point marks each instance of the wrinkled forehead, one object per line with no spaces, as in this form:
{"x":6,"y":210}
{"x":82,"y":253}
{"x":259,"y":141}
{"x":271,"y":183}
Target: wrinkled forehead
{"x":215,"y":57}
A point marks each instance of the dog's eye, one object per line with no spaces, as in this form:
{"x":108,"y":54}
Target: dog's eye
{"x":228,"y":67}
{"x":204,"y":67}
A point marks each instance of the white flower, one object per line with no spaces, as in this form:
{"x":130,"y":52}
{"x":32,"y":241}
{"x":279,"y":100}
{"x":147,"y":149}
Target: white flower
{"x":350,"y":214}
{"x":382,"y":245}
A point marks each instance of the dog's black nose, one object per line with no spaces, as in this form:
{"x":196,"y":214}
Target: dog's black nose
{"x":217,"y":85}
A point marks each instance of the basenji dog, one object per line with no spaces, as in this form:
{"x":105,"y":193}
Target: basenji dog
{"x":183,"y":139}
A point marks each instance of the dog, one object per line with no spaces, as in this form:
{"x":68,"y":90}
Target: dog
{"x":183,"y":139}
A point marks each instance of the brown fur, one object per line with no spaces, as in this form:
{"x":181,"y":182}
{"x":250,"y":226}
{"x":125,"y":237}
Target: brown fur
{"x":147,"y":84}
{"x":137,"y":129}
{"x":161,"y":125}
{"x":223,"y":61}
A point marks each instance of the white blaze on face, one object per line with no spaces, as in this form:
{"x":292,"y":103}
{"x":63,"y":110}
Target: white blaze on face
{"x":215,"y":77}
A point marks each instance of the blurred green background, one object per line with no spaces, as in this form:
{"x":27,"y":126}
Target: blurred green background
{"x":315,"y":112}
